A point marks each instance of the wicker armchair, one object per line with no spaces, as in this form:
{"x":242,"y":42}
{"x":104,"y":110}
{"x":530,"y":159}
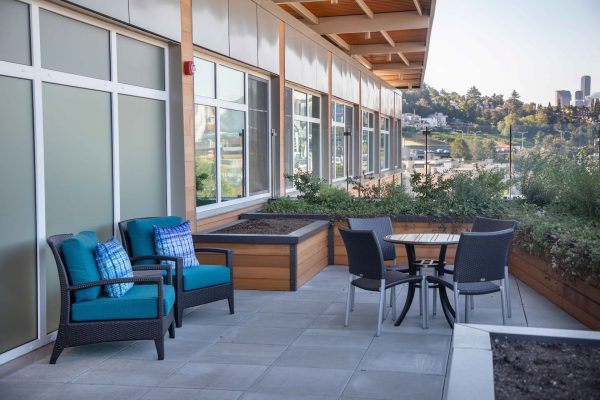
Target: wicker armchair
{"x":75,"y":333}
{"x":186,"y":297}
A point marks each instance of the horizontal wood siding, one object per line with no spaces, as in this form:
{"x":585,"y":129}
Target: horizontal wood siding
{"x":578,"y":299}
{"x":312,"y":257}
{"x":341,"y":258}
{"x":256,"y":266}
{"x":224,"y":218}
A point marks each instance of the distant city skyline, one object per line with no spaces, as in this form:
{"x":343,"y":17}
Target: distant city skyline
{"x":533,"y":47}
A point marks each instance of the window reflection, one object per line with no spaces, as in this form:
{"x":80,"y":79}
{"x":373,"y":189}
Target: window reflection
{"x":204,"y":78}
{"x":231,"y":137}
{"x":205,"y":156}
{"x":230,"y":85}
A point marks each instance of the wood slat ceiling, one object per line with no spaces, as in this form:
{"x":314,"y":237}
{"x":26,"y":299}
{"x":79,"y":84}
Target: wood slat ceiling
{"x":322,"y":9}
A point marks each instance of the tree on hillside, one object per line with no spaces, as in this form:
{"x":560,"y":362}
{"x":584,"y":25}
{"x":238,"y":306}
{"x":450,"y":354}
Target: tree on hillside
{"x":484,"y":149}
{"x":460,"y":149}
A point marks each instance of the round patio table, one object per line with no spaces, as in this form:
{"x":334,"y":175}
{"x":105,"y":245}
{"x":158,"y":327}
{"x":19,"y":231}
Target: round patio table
{"x":410,"y":240}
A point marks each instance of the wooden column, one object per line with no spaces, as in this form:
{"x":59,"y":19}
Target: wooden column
{"x":187,"y":81}
{"x":329,"y":100}
{"x":282,"y":154}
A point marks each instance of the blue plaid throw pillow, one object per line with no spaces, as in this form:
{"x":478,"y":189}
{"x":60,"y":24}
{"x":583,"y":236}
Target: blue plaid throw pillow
{"x":176,"y":241}
{"x":114,"y":263}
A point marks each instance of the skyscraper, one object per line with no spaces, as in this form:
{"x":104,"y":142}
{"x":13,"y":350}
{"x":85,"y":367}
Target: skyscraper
{"x":563,"y":98}
{"x":578,"y":95}
{"x":586,"y":83}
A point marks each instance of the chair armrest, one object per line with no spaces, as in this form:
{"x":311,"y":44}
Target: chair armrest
{"x":156,"y":267}
{"x":227,"y":252}
{"x":145,"y":279}
{"x":153,"y":257}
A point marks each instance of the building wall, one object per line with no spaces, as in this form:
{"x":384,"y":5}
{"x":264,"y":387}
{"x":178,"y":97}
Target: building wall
{"x":104,"y":126}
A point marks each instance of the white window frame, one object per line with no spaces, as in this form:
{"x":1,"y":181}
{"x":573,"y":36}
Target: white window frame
{"x":38,"y":75}
{"x":382,"y":134}
{"x":347,"y":143}
{"x":371,"y":149}
{"x":308,"y":120}
{"x":222,"y":104}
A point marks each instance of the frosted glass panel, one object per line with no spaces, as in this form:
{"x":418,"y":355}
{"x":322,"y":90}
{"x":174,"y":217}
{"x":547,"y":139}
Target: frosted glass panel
{"x":140,"y":64}
{"x":18,"y":286}
{"x":15,"y":42}
{"x":78,"y":170}
{"x":142,"y":158}
{"x":75,"y":47}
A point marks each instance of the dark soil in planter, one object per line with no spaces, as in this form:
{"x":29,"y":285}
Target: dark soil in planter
{"x":530,"y":369}
{"x":266,"y":226}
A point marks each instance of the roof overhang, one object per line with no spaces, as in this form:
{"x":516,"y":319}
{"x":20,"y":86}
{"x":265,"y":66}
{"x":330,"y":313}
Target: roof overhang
{"x":389,"y":37}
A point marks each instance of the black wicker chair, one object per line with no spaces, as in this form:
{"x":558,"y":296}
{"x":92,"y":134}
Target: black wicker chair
{"x":365,"y":261}
{"x":190,"y":298}
{"x":71,"y":333}
{"x":480,"y":260}
{"x":481,"y":224}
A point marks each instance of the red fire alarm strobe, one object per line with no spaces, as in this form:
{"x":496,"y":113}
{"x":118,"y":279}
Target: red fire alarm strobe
{"x":189,"y":68}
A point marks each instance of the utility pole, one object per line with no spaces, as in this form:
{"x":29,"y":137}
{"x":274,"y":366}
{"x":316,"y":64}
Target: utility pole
{"x":426,"y":133}
{"x":510,"y":161}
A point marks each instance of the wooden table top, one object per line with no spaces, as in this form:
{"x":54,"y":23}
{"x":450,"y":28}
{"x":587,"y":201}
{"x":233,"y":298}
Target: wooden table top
{"x":423,"y":238}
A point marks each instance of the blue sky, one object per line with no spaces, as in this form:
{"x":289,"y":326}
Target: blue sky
{"x":533,"y":46}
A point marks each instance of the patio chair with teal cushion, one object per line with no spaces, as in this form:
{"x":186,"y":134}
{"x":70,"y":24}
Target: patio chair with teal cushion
{"x":194,"y":284}
{"x":89,"y":314}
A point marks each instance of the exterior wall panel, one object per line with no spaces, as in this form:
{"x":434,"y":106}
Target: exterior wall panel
{"x":211,"y":25}
{"x":159,"y":16}
{"x":268,"y":41}
{"x":243,"y":44}
{"x":293,"y":55}
{"x":118,"y":9}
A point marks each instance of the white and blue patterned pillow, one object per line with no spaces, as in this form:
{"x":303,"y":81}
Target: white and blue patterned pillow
{"x":114,"y":263}
{"x":176,"y":241}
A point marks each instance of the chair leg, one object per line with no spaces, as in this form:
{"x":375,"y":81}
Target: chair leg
{"x":381,"y":306}
{"x":160,"y":347}
{"x":456,"y":306}
{"x":434,"y":310}
{"x":58,"y":348}
{"x":393,"y":300}
{"x":467,"y":301}
{"x":178,"y":314}
{"x":352,"y":291}
{"x":507,"y":286}
{"x":424,"y":303}
{"x":348,"y":300}
{"x":502,"y":300}
{"x":472,"y":302}
{"x":172,"y":330}
{"x":231,"y":304}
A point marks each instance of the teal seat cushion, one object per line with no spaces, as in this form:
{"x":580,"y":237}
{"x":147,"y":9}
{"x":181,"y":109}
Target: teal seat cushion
{"x":141,"y":235}
{"x":80,"y":260}
{"x":138,"y":303}
{"x":197,"y":277}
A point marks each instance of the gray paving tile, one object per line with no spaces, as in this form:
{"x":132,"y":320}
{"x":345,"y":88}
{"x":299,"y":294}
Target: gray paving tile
{"x":331,"y":338}
{"x":290,"y":306}
{"x":203,"y":333}
{"x":175,"y":350}
{"x":135,"y":372}
{"x":98,"y":350}
{"x":248,"y":304}
{"x":357,"y":322}
{"x":191,"y":394}
{"x":280,"y":320}
{"x":215,"y":376}
{"x":207,"y":316}
{"x":320,"y":357}
{"x":427,"y":343}
{"x":63,"y":371}
{"x":306,"y":381}
{"x":280,"y":396}
{"x":261,"y":335}
{"x":405,"y":361}
{"x":394,"y":385}
{"x":104,"y":392}
{"x":22,"y":391}
{"x":312,"y":295}
{"x":240,"y":353}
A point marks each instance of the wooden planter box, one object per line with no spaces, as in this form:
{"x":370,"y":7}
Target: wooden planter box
{"x":580,"y":300}
{"x":270,"y":262}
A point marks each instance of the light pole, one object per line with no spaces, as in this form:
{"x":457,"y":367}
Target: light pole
{"x":426,"y":133}
{"x":510,"y":162}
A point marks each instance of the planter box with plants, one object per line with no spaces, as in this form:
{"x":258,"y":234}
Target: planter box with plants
{"x":269,"y":254}
{"x":503,"y":362}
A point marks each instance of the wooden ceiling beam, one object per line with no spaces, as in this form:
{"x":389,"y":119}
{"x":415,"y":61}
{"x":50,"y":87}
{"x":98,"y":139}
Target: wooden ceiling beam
{"x":403,"y":58}
{"x":339,"y":41}
{"x":394,"y":21}
{"x":305,"y":12}
{"x":406,"y":47}
{"x":418,"y":7}
{"x":365,"y":8}
{"x":363,"y":61}
{"x":381,"y":67}
{"x":388,"y":38}
{"x":298,"y":1}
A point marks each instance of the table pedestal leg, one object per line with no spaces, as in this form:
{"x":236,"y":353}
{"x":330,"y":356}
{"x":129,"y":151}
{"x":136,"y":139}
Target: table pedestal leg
{"x":410,"y":253}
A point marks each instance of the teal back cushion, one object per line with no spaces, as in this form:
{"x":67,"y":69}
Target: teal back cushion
{"x":141,"y":235}
{"x":81,"y":263}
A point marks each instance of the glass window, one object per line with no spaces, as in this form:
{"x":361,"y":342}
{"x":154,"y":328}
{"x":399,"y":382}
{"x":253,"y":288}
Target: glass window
{"x":204,"y":78}
{"x":140,"y":64}
{"x":367,"y":142}
{"x":314,"y":106}
{"x":258,"y":135}
{"x":314,"y":144}
{"x":288,"y":136}
{"x":340,"y":143}
{"x":75,"y":47}
{"x":300,"y":146}
{"x":231,"y":150}
{"x":206,"y":155}
{"x":230,"y":85}
{"x":384,"y":144}
{"x":306,"y":132}
{"x":299,"y":103}
{"x":15,"y":42}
